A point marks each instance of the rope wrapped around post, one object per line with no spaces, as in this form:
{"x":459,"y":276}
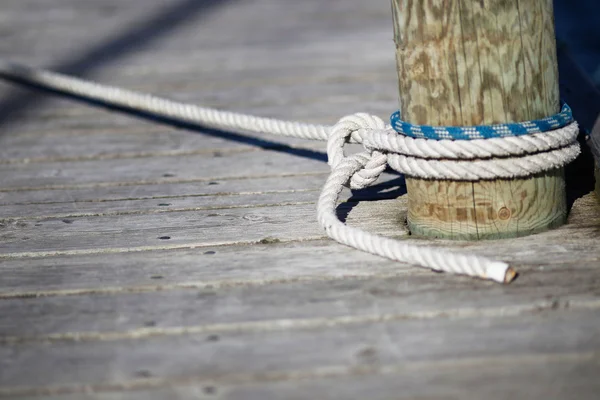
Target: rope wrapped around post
{"x":476,"y":159}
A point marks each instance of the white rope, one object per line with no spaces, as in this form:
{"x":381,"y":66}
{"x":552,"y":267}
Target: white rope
{"x":436,"y":159}
{"x":390,"y":141}
{"x":183,"y":112}
{"x":435,"y":259}
{"x":475,"y":170}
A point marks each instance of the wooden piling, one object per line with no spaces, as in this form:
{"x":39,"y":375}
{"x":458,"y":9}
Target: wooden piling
{"x":467,"y":62}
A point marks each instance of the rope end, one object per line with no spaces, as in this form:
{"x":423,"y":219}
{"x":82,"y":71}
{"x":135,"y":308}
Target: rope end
{"x":501,"y":272}
{"x":510,"y":275}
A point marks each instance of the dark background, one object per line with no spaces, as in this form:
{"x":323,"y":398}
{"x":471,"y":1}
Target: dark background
{"x":578,"y":39}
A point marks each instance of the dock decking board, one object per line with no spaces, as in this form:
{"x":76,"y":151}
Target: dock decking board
{"x":120,"y":171}
{"x":531,"y":378}
{"x":247,"y":299}
{"x":324,"y":343}
{"x":165,"y":186}
{"x":108,"y":317}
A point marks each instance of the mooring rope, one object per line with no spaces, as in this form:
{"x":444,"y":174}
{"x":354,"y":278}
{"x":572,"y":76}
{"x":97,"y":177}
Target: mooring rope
{"x":534,"y":146}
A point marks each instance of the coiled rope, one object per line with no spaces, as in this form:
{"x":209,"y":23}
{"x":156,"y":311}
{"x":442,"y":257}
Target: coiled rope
{"x":470,"y":160}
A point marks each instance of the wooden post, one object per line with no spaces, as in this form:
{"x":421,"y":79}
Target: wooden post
{"x":468,"y":62}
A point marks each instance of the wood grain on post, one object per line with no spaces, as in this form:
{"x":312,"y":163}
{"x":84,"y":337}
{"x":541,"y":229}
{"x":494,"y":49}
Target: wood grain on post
{"x":466,"y":62}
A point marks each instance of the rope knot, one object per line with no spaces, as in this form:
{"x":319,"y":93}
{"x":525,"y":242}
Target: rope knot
{"x":356,"y":128}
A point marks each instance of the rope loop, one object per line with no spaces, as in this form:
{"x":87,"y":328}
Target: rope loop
{"x":356,"y":127}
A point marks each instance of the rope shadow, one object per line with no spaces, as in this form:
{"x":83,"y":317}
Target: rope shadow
{"x":192,"y":127}
{"x":388,"y":190}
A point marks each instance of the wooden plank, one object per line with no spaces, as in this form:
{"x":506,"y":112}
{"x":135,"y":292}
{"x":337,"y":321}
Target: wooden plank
{"x":141,"y":140}
{"x":72,"y":366}
{"x":149,"y":198}
{"x":165,"y":187}
{"x":113,"y":316}
{"x":152,"y":206}
{"x":207,"y":167}
{"x":550,"y":376}
{"x":88,"y":235}
{"x":213,"y":267}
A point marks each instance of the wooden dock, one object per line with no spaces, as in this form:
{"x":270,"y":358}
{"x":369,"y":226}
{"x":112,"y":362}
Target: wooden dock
{"x":140,"y":260}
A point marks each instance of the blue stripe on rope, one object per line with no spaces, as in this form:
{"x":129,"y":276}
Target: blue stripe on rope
{"x":563,"y":118}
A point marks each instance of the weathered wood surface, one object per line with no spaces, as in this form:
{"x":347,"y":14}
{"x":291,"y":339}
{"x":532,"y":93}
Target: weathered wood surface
{"x":531,"y":378}
{"x":247,"y":299}
{"x":262,"y":351}
{"x":463,"y":63}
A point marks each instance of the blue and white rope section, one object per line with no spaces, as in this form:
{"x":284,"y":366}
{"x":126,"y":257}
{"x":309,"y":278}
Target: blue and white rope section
{"x":563,"y":118}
